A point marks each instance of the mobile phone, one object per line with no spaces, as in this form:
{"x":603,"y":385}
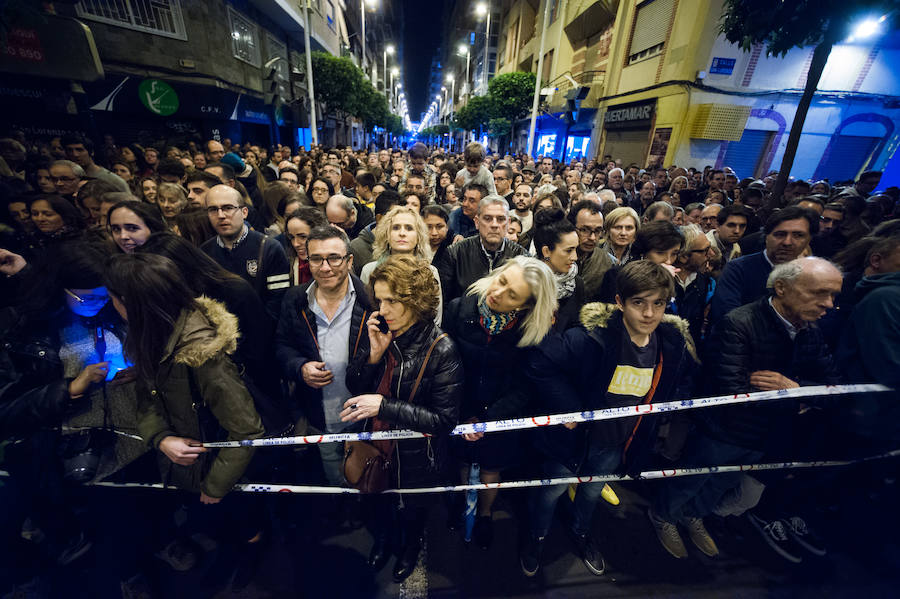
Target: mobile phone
{"x":382,"y":324}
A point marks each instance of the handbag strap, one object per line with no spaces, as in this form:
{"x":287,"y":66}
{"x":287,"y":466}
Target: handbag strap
{"x":415,"y":388}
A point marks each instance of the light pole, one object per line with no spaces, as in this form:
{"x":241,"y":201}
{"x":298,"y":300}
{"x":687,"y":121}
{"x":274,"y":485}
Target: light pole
{"x":394,"y":72}
{"x":389,"y":49}
{"x":537,"y":79}
{"x":464,"y":50}
{"x":313,"y":129}
{"x":362,"y":18}
{"x":483,"y":9}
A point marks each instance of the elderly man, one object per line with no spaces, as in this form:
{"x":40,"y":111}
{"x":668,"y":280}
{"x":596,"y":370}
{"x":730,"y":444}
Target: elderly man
{"x":350,"y":216}
{"x":472,"y":258}
{"x":709,"y":217}
{"x":257,"y":259}
{"x":66,"y":177}
{"x":788,"y":233}
{"x":214,"y":151}
{"x":769,"y":344}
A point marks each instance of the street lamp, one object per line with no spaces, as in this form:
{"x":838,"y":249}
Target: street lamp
{"x":483,"y":10}
{"x":463,"y":50}
{"x":389,"y":49}
{"x":867,"y":28}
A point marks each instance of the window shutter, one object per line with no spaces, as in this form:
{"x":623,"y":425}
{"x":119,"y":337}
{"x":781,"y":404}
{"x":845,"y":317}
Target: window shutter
{"x":651,"y":25}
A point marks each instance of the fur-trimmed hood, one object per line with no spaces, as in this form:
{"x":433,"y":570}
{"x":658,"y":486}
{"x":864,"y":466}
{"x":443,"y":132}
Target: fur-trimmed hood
{"x":203,"y":333}
{"x":598,"y":314}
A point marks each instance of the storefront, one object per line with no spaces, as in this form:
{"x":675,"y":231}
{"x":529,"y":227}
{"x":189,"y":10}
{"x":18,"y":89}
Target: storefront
{"x":141,"y":109}
{"x":564,"y":140}
{"x":627,"y":131}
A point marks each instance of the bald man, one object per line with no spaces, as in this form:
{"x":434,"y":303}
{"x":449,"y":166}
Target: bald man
{"x":770,"y":344}
{"x":255,"y":257}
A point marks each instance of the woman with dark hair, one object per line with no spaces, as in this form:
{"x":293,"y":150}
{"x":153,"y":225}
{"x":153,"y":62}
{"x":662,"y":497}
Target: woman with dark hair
{"x":412,"y":378}
{"x":297,"y":228}
{"x":501,"y":316}
{"x":188,"y":387}
{"x":320,"y":189}
{"x":54,"y":218}
{"x":193,"y":224}
{"x":131,"y":223}
{"x":133,"y":155}
{"x":556,"y":243}
{"x":205,"y":277}
{"x":276,"y":197}
{"x":437,"y":222}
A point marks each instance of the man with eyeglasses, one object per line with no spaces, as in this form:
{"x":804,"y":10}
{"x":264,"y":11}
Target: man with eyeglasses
{"x":593,"y":260}
{"x":321,"y":327}
{"x":693,"y":281}
{"x":66,"y":177}
{"x":350,"y":216}
{"x":474,"y":257}
{"x":503,"y":184}
{"x":291,"y":176}
{"x":255,"y":257}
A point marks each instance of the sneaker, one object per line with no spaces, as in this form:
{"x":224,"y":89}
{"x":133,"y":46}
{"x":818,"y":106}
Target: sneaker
{"x":181,"y":555}
{"x":609,"y":496}
{"x":775,"y":534}
{"x":77,"y":547}
{"x":701,"y":538}
{"x":483,"y":532}
{"x":800,"y":533}
{"x":668,"y":536}
{"x":530,"y":556}
{"x":589,"y":554}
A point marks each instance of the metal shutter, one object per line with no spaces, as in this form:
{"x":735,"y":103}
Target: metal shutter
{"x":628,"y":146}
{"x":744,"y":156}
{"x":849,"y":155}
{"x":650,"y":27}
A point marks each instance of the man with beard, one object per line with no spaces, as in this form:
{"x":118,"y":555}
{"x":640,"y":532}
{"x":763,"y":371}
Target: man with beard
{"x":521,"y":199}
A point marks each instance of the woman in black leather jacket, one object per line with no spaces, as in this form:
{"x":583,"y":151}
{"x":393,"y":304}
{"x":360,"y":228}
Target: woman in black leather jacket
{"x":405,"y":291}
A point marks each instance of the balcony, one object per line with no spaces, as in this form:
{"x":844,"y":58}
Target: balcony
{"x":564,"y":83}
{"x":585,"y":18}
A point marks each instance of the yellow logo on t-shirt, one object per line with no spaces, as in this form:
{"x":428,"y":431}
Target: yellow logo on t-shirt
{"x":628,"y":380}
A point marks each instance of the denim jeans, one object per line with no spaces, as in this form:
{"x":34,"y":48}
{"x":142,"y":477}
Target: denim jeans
{"x":543,"y":499}
{"x":698,"y":495}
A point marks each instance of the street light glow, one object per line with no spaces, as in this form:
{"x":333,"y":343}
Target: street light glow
{"x":481,"y":9}
{"x":867,"y":28}
{"x":395,"y":71}
{"x":389,"y":48}
{"x":462,"y":49}
{"x":449,"y":78}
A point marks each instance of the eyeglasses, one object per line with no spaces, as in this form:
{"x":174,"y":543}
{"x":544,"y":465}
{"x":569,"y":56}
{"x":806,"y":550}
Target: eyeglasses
{"x":587,"y":231}
{"x":701,"y":251}
{"x":320,"y":189}
{"x":333,"y":260}
{"x":88,"y":299}
{"x":227,"y":210}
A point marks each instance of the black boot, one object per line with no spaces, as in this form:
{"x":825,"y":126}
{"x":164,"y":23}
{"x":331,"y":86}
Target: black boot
{"x":380,"y":553}
{"x":408,"y":559}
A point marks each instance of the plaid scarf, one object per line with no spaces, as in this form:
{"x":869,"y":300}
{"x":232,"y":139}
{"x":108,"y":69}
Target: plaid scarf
{"x":495,"y":323}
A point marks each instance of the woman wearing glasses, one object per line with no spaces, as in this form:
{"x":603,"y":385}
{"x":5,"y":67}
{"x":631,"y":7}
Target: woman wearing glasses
{"x":298,"y":225}
{"x":402,"y":231}
{"x":320,"y":189}
{"x":412,"y":378}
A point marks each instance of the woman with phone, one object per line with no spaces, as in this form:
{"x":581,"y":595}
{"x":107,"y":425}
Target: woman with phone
{"x":409,"y":377}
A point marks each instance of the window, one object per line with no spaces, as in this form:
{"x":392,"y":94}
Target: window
{"x":547,"y":67}
{"x":554,"y":7}
{"x":160,"y":17}
{"x":330,"y":14}
{"x":277,"y":49}
{"x":244,"y":38}
{"x":650,"y":27}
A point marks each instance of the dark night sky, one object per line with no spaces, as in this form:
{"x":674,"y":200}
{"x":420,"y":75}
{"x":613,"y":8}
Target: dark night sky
{"x":421,"y":37}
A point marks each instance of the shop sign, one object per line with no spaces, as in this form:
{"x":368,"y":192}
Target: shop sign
{"x":630,"y":116}
{"x":158,"y":97}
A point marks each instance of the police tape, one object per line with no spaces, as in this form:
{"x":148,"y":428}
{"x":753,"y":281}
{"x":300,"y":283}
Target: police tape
{"x":557,"y":419}
{"x":520,"y":484}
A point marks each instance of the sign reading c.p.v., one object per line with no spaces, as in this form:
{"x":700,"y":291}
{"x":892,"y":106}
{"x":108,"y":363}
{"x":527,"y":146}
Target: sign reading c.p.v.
{"x":158,"y":97}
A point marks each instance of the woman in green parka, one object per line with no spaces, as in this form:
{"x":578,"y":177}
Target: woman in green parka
{"x":188,"y":387}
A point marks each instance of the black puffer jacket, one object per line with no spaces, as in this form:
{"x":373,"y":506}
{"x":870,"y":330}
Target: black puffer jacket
{"x":494,"y":388}
{"x":435,"y":407}
{"x":752,"y":338}
{"x":691,"y":303}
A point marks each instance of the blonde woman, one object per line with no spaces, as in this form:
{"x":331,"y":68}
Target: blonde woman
{"x":494,"y":326}
{"x":621,"y":227}
{"x":171,"y":199}
{"x":402,"y":231}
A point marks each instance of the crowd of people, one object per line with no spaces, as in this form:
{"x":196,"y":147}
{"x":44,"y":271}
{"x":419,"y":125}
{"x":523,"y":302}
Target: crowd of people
{"x":156,"y":298}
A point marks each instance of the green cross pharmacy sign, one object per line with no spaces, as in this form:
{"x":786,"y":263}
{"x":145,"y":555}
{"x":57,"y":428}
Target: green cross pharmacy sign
{"x":158,"y":97}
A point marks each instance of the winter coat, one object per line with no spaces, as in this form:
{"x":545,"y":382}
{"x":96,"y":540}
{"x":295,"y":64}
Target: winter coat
{"x":465,"y":262}
{"x":361,"y":248}
{"x":569,"y":309}
{"x":198,"y":389}
{"x":494,"y":387}
{"x":751,"y":338}
{"x":296,"y":344}
{"x":691,"y":303}
{"x":435,"y":407}
{"x":869,"y":352}
{"x":571,"y":372}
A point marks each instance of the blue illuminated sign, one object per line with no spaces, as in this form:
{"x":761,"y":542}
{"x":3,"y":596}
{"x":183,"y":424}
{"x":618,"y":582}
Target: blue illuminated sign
{"x":722,"y":66}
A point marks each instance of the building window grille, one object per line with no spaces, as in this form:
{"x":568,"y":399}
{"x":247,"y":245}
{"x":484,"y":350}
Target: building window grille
{"x":159,"y":17}
{"x":244,"y":38}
